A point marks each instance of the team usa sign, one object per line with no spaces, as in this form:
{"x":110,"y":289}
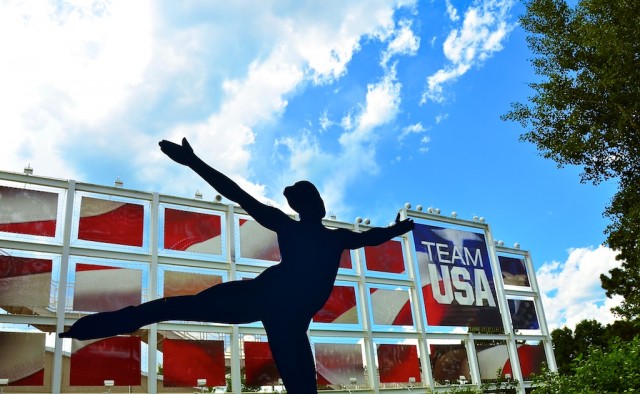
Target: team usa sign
{"x":456,"y":277}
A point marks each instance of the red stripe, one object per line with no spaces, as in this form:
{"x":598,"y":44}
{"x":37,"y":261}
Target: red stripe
{"x":122,"y":226}
{"x":45,"y":228}
{"x":11,"y":266}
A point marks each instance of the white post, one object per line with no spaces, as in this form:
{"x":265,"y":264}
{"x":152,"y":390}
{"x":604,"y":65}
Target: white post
{"x":56,"y":384}
{"x":152,"y":373}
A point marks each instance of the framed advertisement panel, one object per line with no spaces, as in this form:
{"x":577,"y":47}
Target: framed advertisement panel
{"x":456,"y":277}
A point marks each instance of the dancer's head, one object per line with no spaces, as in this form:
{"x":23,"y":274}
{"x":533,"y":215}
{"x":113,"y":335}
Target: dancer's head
{"x":304,"y":198}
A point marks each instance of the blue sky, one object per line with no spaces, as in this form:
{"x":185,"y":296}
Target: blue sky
{"x":378,"y":103}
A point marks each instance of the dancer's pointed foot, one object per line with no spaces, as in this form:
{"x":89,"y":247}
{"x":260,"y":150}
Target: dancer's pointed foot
{"x":103,"y":325}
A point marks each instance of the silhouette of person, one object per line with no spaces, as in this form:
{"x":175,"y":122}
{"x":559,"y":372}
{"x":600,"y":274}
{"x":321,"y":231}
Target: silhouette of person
{"x":284,"y":296}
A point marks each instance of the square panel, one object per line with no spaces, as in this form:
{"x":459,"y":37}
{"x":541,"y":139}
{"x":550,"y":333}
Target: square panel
{"x":338,"y":363}
{"x":28,"y":212}
{"x":341,"y":307}
{"x":532,"y":357}
{"x":523,"y":314}
{"x":102,"y":288}
{"x":192,"y":231}
{"x":385,"y":258}
{"x":492,"y":356}
{"x":391,"y":306}
{"x":514,"y":271}
{"x":398,"y":363}
{"x":260,"y":368}
{"x":186,"y":361}
{"x":115,"y":358}
{"x":24,"y":282}
{"x":23,"y":358}
{"x":256,"y":242}
{"x":111,"y":221}
{"x":449,"y":363}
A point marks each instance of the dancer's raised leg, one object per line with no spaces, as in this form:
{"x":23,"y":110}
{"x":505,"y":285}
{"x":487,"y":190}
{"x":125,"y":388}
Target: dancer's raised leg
{"x":229,"y":302}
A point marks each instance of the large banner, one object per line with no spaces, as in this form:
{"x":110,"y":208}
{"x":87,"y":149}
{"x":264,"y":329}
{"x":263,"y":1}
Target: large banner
{"x":456,"y":277}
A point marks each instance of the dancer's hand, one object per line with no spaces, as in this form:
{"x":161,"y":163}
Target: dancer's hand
{"x":182,"y":154}
{"x":403,"y":226}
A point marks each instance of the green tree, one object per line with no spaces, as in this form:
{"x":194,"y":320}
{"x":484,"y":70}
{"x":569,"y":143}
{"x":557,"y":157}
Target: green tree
{"x":568,"y":345}
{"x":616,"y":370}
{"x":564,"y":349}
{"x":586,"y":112}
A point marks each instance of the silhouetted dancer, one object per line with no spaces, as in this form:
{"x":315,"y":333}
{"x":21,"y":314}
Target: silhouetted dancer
{"x":284,"y":296}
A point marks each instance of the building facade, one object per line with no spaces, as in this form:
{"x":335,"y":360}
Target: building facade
{"x":439,"y":307}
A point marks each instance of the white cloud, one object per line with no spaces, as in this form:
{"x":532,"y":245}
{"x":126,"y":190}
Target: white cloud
{"x":91,"y":77}
{"x":452,"y":11}
{"x":324,"y":121}
{"x":415,"y":128}
{"x":404,"y":42}
{"x":571,"y":290}
{"x":66,"y":66}
{"x":483,"y":30}
{"x":333,"y":172}
{"x":423,"y":144}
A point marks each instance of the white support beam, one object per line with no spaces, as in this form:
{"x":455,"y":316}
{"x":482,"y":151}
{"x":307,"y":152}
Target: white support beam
{"x":56,"y":383}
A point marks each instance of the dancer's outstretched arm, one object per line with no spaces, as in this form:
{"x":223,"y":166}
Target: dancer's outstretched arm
{"x":378,"y":235}
{"x":269,"y":217}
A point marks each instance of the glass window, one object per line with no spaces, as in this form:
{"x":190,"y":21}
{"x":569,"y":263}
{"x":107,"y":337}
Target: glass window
{"x":493,"y":360}
{"x":449,"y":362}
{"x":398,"y":363}
{"x":390,"y":306}
{"x":106,"y":285}
{"x":532,"y":358}
{"x":23,"y":355}
{"x":255,"y":242}
{"x":523,"y":314}
{"x":260,"y":368}
{"x":386,"y":258}
{"x":30,"y":212}
{"x":341,"y":307}
{"x":339,"y":365}
{"x":514,"y":271}
{"x":28,"y":282}
{"x":191,"y":230}
{"x":115,"y":358}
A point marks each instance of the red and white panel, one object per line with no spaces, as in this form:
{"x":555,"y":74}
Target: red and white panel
{"x":398,"y":363}
{"x":386,"y":258}
{"x":491,"y":358}
{"x":24,"y":281}
{"x":115,"y":358}
{"x":22,"y":358}
{"x":177,"y":283}
{"x":189,"y":231}
{"x":340,"y":308}
{"x":186,"y":361}
{"x":29,"y":212}
{"x":338,"y":363}
{"x":257,"y":242}
{"x":391,"y":307}
{"x":111,"y":222}
{"x":260,"y":368}
{"x":102,"y":288}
